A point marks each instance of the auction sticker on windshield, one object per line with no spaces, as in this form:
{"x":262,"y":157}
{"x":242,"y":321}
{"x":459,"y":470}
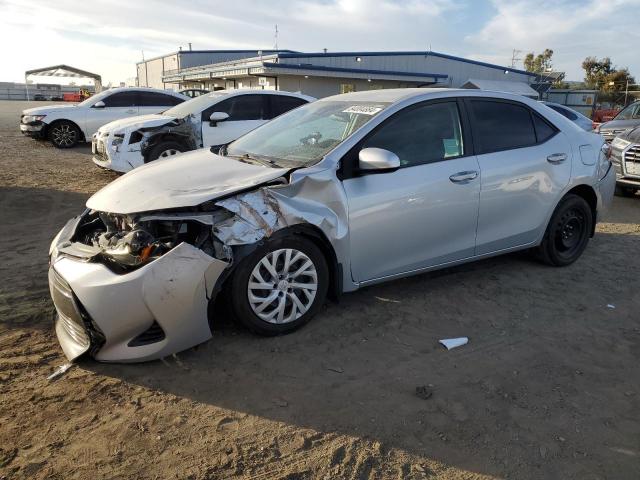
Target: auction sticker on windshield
{"x":363,"y":109}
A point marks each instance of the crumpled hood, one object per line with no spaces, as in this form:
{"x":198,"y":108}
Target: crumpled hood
{"x":619,"y":124}
{"x":47,"y":109}
{"x":135,"y":123}
{"x":186,"y":180}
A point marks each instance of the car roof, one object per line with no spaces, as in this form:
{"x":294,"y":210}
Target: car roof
{"x":144,"y":89}
{"x":256,"y":91}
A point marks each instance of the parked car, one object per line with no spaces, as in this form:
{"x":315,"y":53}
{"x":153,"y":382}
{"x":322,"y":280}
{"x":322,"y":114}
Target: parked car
{"x":341,"y":193}
{"x":210,"y":120}
{"x":628,"y":118}
{"x":66,"y":125}
{"x":194,"y":92}
{"x":625,"y":155}
{"x":39,"y":97}
{"x":576,"y":117}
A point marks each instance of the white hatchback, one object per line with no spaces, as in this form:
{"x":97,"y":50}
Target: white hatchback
{"x":66,"y":125}
{"x":210,"y":120}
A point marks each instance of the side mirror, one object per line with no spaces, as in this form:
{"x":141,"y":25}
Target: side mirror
{"x":377,"y":160}
{"x":99,"y":104}
{"x":217,"y":117}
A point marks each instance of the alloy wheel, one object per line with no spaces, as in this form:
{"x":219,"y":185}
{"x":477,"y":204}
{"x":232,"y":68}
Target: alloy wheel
{"x":64,"y":135}
{"x":282,"y":286}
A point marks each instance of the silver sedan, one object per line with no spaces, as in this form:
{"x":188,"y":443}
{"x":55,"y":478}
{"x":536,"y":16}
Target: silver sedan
{"x":333,"y":196}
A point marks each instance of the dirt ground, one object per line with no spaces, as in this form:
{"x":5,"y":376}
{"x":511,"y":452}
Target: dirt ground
{"x":548,"y":386}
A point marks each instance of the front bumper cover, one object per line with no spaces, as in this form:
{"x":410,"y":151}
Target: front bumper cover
{"x":172,"y":292}
{"x":33,"y":129}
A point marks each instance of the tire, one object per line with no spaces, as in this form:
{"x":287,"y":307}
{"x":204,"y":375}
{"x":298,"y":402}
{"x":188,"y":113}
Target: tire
{"x":251,"y":306}
{"x":164,"y":149}
{"x":568,"y":232}
{"x":624,"y":191}
{"x":63,"y":134}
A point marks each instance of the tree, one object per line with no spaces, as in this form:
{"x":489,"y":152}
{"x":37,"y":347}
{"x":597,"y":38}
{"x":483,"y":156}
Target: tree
{"x":538,"y":63}
{"x":595,"y":71}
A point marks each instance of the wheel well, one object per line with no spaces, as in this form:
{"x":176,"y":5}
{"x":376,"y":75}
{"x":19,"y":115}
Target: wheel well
{"x":589,"y":195}
{"x":49,"y":125}
{"x":314,"y":234}
{"x":163,"y":137}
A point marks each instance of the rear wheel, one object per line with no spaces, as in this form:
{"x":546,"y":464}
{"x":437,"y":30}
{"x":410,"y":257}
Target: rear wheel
{"x":625,"y":191}
{"x":165,"y":150}
{"x":64,"y":134}
{"x":280,"y":286}
{"x":568,"y":232}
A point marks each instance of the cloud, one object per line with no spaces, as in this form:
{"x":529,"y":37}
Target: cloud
{"x":572,"y":29}
{"x":108,"y":36}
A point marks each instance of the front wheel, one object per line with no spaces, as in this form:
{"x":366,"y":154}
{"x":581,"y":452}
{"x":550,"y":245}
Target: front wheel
{"x":165,"y":150}
{"x":64,"y":134}
{"x":280,"y":286}
{"x":568,"y":232}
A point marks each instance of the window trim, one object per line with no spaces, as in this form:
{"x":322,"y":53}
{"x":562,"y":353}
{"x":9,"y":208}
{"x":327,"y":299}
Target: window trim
{"x":348,"y":162}
{"x":473,"y":121}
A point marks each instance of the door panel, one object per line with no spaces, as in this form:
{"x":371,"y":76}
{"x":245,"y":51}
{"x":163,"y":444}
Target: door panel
{"x":520,"y":189}
{"x":411,"y":219}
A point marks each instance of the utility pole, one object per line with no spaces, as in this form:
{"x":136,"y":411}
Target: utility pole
{"x":515,"y":58}
{"x":276,"y":38}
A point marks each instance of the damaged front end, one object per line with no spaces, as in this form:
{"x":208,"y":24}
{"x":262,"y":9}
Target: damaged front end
{"x":135,"y":287}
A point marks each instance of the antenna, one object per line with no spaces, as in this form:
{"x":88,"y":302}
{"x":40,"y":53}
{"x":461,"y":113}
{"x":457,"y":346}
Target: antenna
{"x":143,"y":55}
{"x":514,"y":57}
{"x":276,"y":37}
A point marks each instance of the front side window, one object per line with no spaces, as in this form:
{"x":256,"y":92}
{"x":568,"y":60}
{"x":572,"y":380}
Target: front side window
{"x":632,"y":112}
{"x":243,"y":107}
{"x":122,"y":99}
{"x":424,"y":134}
{"x":305,"y":135}
{"x":501,"y":126}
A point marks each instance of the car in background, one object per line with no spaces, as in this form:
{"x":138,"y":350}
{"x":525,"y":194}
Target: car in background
{"x":628,"y":118}
{"x":193,"y":92}
{"x":576,"y":117}
{"x":338,"y":194}
{"x":210,"y":120}
{"x":38,"y":97}
{"x":625,"y":156}
{"x":66,"y":125}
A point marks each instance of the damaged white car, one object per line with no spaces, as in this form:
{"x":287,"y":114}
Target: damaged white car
{"x":210,"y":120}
{"x":338,"y":194}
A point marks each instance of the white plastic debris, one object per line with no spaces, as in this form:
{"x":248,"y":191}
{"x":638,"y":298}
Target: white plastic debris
{"x":450,"y":343}
{"x":61,"y":370}
{"x":611,"y":306}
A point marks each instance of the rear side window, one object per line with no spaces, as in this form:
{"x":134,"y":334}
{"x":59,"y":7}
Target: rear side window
{"x":281,"y":104}
{"x":501,"y":126}
{"x":565,"y":112}
{"x":242,"y":107}
{"x":424,"y":134}
{"x":544,"y":131}
{"x":122,"y":99}
{"x":155,"y":99}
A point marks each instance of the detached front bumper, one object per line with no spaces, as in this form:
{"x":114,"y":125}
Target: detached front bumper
{"x":117,"y":158}
{"x":34,"y":129}
{"x":146,"y":314}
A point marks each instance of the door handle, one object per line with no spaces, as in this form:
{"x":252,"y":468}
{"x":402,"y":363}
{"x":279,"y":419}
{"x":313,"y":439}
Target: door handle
{"x":556,"y":158}
{"x":463,"y":177}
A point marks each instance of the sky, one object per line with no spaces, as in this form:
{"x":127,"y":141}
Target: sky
{"x":109,"y":37}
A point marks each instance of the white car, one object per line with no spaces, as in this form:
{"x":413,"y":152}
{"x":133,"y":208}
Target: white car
{"x":210,"y":120}
{"x":66,"y":125}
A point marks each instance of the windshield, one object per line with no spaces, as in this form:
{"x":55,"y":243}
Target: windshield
{"x":632,"y":112}
{"x":305,"y":135}
{"x":195,"y":105}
